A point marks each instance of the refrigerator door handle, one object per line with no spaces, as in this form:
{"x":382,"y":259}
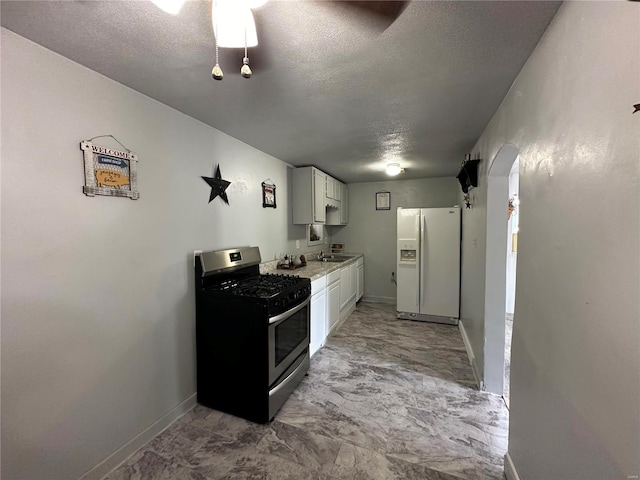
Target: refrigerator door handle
{"x":421,"y":261}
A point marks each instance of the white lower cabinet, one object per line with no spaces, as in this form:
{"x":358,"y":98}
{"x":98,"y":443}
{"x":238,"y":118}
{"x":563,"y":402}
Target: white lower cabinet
{"x":333,"y":300}
{"x":353,"y":278}
{"x":318,"y":329}
{"x":344,"y":287}
{"x":360,"y":283}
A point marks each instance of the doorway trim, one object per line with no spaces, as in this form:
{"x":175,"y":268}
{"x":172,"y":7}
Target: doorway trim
{"x":496,"y":266}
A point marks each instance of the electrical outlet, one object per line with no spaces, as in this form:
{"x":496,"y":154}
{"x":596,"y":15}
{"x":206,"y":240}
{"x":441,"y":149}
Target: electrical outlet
{"x":297,"y":243}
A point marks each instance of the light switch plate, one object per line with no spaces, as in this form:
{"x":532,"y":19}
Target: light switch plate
{"x":297,"y":243}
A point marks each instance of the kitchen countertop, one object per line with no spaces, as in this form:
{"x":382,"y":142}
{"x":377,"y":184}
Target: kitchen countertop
{"x":314,"y":268}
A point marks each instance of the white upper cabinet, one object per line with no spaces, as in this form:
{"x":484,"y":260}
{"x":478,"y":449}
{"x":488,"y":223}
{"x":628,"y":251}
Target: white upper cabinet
{"x":318,"y":198}
{"x":319,"y":211}
{"x":308,"y":196}
{"x":339,"y":215}
{"x":344,"y":204}
{"x":330,"y":186}
{"x":333,"y":190}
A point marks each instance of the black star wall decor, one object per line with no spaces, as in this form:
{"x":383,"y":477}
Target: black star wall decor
{"x":218,"y":186}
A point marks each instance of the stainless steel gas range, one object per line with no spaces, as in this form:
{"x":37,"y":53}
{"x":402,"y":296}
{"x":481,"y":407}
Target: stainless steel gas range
{"x":252,"y":334}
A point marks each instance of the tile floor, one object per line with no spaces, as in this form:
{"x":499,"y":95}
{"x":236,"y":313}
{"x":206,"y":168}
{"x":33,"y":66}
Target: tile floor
{"x":384,"y":399}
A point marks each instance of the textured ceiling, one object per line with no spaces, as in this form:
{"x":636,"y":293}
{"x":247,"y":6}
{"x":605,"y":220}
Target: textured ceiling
{"x":334,"y":85}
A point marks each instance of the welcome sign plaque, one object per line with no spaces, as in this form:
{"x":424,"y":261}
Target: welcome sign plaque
{"x":109,"y":172}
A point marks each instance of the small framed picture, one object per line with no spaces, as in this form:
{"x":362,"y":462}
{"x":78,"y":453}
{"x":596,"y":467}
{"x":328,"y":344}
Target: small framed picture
{"x":315,"y":234}
{"x":383,"y":200}
{"x":268,"y":195}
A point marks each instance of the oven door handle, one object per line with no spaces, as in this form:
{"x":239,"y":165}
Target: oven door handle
{"x":288,"y":313}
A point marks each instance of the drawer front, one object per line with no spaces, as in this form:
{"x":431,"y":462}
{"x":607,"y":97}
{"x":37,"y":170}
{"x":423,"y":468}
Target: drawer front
{"x":318,"y":285}
{"x":333,"y":276}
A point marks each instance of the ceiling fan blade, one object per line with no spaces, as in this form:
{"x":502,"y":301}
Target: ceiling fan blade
{"x":382,"y":13}
{"x":372,"y":17}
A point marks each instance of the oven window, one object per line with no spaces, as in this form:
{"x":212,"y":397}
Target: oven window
{"x":290,"y":333}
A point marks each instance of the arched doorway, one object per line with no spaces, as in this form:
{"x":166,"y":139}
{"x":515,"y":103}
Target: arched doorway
{"x":496,"y":267}
{"x":512,"y":264}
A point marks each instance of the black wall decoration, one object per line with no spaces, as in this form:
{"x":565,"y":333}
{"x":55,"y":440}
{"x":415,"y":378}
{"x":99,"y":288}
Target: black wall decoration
{"x":218,"y":186}
{"x":268,"y":194}
{"x":468,"y":175}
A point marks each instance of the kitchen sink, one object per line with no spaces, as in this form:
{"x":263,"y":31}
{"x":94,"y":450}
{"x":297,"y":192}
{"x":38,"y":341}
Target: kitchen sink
{"x":335,"y":258}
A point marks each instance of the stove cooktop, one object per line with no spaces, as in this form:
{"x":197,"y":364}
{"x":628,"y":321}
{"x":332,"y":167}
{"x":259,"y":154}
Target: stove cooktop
{"x":258,"y":286}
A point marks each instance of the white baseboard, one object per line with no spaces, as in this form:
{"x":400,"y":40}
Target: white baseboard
{"x":472,"y":357}
{"x":510,"y":469}
{"x":120,"y":455}
{"x":374,"y":299}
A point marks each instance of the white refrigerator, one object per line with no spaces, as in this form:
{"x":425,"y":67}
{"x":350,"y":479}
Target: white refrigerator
{"x":428,"y":264}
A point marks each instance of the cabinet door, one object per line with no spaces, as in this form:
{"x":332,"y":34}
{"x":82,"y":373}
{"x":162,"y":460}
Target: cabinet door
{"x":344,"y":287}
{"x":360,"y":282}
{"x":338,"y":190}
{"x":353,"y":278}
{"x":319,"y":212}
{"x":329,"y":187}
{"x":318,"y":321}
{"x":333,"y":305}
{"x":344,"y":204}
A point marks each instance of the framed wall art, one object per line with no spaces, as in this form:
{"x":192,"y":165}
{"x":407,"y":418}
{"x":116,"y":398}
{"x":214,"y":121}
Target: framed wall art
{"x":315,"y":234}
{"x":109,"y":172}
{"x":383,"y":200}
{"x":268,"y":194}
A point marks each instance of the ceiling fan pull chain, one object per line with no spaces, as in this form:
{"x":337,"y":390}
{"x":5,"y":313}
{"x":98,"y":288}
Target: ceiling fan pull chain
{"x":216,"y":73}
{"x":245,"y":71}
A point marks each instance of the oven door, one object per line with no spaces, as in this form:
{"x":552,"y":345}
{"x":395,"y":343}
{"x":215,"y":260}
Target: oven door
{"x":288,"y":338}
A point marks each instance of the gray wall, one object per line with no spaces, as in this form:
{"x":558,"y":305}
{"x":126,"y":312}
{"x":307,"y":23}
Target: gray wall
{"x":575,"y":367}
{"x":373,"y":232}
{"x":97,"y":293}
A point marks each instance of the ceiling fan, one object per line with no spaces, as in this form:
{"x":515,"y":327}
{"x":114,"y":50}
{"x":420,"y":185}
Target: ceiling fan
{"x":243,"y":20}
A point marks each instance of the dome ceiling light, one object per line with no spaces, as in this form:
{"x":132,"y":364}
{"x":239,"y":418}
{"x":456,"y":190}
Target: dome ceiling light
{"x":394,"y":169}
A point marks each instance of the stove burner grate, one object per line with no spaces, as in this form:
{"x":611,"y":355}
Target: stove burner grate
{"x":256,"y":286}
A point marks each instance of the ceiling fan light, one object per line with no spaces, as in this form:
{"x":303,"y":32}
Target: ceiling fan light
{"x":230,"y":21}
{"x":393,"y":169}
{"x":169,"y":6}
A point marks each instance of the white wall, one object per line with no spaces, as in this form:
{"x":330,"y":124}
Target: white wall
{"x":373,"y":232}
{"x":97,"y":293}
{"x":575,"y":368}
